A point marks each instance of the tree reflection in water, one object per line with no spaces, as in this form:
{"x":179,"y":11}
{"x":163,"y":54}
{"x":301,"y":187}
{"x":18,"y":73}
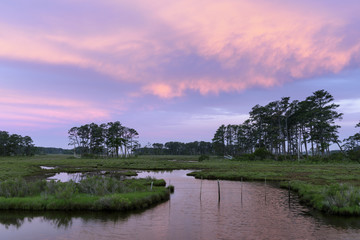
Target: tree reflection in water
{"x":60,"y":219}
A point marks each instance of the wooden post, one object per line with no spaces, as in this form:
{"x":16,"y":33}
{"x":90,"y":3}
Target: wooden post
{"x":169,"y":187}
{"x":151,"y":185}
{"x":201,"y":187}
{"x":289,"y":191}
{"x":241,"y":190}
{"x":218,"y":190}
{"x":265,"y":190}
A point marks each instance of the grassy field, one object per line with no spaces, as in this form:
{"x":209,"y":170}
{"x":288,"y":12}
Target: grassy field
{"x":331,"y":187}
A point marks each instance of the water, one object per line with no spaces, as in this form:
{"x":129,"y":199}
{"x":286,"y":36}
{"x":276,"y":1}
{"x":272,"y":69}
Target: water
{"x":186,"y":216}
{"x":78,"y":176}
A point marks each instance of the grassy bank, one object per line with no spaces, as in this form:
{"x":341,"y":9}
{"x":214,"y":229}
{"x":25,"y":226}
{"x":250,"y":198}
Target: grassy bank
{"x":319,"y":184}
{"x":336,"y":199}
{"x":95,"y":194}
{"x":12,"y":167}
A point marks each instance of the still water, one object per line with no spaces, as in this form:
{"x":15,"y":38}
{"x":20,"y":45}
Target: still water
{"x":246,"y":211}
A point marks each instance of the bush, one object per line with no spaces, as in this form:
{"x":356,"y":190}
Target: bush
{"x":354,"y":155}
{"x":101,"y":186}
{"x":203,"y":157}
{"x":171,"y":188}
{"x":341,"y":197}
{"x":21,"y":188}
{"x":66,"y":190}
{"x":282,"y":158}
{"x":338,"y":156}
{"x":262,"y":153}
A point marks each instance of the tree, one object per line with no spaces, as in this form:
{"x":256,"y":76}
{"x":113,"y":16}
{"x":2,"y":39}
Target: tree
{"x":284,"y":128}
{"x":324,"y":130}
{"x":352,"y":145}
{"x":28,"y":146}
{"x":4,"y":141}
{"x":84,"y":135}
{"x":132,"y":135}
{"x":158,"y":148}
{"x":174,"y":148}
{"x":74,"y":138}
{"x":14,"y":145}
{"x":111,"y":139}
{"x":219,"y":141}
{"x":115,"y":139}
{"x":97,"y":137}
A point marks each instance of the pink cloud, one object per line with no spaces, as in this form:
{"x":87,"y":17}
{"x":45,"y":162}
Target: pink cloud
{"x":207,"y":86}
{"x":22,"y":109}
{"x":253,"y":43}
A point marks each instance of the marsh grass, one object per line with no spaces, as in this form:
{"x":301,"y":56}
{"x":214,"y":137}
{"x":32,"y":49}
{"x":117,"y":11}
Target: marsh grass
{"x":342,"y":199}
{"x":335,"y":199}
{"x":309,"y":178}
{"x":94,"y":193}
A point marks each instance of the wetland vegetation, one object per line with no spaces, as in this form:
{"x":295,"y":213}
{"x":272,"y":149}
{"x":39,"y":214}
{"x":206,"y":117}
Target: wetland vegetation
{"x":92,"y":193}
{"x":285,"y":141}
{"x":330,"y":186}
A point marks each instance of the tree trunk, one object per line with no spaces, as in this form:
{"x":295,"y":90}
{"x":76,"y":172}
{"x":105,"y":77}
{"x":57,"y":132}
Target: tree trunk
{"x":305,"y":145}
{"x":341,"y":150}
{"x":299,"y":144}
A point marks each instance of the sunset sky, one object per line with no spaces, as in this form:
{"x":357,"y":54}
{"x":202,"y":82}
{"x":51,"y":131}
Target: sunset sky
{"x":173,"y":70}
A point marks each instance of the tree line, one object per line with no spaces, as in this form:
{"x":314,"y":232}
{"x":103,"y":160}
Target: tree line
{"x":352,"y":145}
{"x":110,"y":139}
{"x":284,"y":128}
{"x":15,"y":145}
{"x":51,"y":150}
{"x":177,"y":148}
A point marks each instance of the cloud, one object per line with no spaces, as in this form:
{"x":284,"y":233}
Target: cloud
{"x":169,"y":48}
{"x":349,"y":106}
{"x":207,"y":121}
{"x":23,"y":109}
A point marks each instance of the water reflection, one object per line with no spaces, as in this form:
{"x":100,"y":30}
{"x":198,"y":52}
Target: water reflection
{"x":47,"y":168}
{"x":242,"y":213}
{"x":78,"y":176}
{"x":59,"y":219}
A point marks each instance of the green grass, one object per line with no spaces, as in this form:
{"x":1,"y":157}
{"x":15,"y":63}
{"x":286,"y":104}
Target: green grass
{"x":312,"y":180}
{"x":93,"y":193}
{"x":336,"y":199}
{"x":113,"y":202}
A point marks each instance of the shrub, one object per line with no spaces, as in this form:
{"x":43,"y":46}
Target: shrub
{"x":341,"y":196}
{"x":171,"y":188}
{"x":338,"y":156}
{"x":203,"y":157}
{"x":262,"y":153}
{"x":66,"y":190}
{"x":354,"y":155}
{"x":101,"y":186}
{"x":21,"y":188}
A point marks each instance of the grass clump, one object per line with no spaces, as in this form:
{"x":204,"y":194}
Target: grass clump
{"x":342,"y":199}
{"x":203,"y":157}
{"x":20,"y":188}
{"x":336,"y":199}
{"x":94,"y":193}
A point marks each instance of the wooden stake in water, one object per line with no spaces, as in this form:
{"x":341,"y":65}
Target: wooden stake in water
{"x":289,"y":192}
{"x":201,"y":187}
{"x":265,"y":189}
{"x":219,"y":190}
{"x":169,"y":186}
{"x":241,"y":189}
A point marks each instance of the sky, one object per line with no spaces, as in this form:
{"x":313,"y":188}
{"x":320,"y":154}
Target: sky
{"x":172,"y":70}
